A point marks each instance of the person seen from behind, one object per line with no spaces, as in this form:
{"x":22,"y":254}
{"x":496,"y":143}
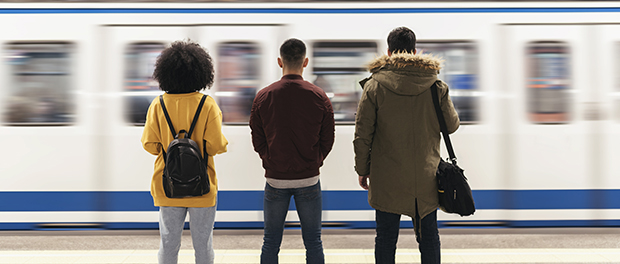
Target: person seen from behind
{"x":183,"y":70}
{"x":292,"y":124}
{"x":397,"y":138}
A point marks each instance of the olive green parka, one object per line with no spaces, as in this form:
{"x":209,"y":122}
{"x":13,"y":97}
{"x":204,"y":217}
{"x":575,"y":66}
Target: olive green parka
{"x":397,"y":134}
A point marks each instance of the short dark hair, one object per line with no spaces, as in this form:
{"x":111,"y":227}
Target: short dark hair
{"x":293,"y":52}
{"x":184,"y":67}
{"x":401,"y":39}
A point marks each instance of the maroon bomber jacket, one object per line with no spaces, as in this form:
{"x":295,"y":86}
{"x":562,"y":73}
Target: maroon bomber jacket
{"x":292,"y":124}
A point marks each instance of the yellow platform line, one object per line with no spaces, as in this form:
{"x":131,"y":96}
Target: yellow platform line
{"x":342,"y":256}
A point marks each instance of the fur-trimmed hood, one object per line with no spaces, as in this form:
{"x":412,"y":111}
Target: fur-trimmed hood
{"x":405,"y":73}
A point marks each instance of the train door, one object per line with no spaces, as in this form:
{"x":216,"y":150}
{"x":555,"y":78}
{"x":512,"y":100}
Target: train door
{"x":245,"y":60}
{"x":45,"y":124}
{"x":478,"y":131}
{"x":129,"y":57}
{"x":550,"y":145}
{"x":606,"y":109}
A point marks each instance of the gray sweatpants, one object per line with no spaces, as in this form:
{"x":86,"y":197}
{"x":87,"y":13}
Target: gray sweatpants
{"x":171,"y":222}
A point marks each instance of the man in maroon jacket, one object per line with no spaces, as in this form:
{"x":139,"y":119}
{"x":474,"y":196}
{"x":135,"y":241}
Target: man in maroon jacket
{"x":292,"y":124}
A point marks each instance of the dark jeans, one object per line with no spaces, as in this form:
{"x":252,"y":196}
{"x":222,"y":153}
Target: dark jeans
{"x":388,"y":225}
{"x":308,"y":201}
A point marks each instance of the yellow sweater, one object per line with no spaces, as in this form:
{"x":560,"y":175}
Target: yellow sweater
{"x":181,"y":108}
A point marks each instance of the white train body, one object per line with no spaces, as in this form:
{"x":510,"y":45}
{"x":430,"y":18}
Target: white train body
{"x":537,"y":81}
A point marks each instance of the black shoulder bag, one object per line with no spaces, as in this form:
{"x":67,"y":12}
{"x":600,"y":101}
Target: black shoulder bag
{"x":454,"y":193}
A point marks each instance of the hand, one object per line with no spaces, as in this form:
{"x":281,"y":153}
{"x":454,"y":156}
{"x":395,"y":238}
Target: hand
{"x":364,"y":182}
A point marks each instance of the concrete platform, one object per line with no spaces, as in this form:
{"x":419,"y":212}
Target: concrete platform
{"x":561,"y":245}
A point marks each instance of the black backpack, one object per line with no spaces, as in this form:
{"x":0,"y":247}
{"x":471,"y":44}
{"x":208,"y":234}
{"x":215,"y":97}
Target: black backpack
{"x":185,"y":173}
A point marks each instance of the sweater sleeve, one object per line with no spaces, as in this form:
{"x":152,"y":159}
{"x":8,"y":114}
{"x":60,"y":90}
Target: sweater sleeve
{"x":365,"y":123}
{"x":216,"y":143}
{"x":151,"y":138}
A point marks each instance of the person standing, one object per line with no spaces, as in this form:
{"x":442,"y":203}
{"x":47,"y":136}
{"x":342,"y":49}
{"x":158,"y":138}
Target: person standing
{"x":292,"y":123}
{"x":397,"y":138}
{"x":183,"y":70}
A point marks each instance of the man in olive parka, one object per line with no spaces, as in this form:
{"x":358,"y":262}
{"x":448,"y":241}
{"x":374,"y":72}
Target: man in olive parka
{"x":397,"y":138}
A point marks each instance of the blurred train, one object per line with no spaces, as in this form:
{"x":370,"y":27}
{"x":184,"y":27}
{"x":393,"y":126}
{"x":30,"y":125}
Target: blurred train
{"x":536,"y":85}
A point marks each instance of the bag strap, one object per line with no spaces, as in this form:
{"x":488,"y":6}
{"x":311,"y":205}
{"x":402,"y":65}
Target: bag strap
{"x":163,"y":106}
{"x":442,"y":123}
{"x":191,"y":129}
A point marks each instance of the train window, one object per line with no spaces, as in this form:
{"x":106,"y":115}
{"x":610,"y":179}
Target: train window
{"x":140,"y":88}
{"x":548,"y":82}
{"x":40,"y":92}
{"x":238,"y":80}
{"x":338,"y":67}
{"x":460,"y":72}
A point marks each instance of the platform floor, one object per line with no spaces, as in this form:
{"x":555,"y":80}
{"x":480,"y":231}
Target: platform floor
{"x":559,"y":245}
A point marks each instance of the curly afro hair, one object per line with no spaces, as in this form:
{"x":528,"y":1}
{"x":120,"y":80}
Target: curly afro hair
{"x":184,"y":67}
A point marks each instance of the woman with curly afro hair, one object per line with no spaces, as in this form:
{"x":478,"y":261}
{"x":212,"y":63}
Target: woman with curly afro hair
{"x":183,"y":70}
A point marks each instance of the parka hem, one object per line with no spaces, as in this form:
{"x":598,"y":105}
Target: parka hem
{"x":389,"y":210}
{"x":417,"y":224}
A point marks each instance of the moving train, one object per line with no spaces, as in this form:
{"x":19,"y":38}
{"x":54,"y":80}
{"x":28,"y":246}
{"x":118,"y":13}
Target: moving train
{"x":535,"y":84}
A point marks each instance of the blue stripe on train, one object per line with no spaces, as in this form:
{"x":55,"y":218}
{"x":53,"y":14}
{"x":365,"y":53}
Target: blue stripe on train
{"x":332,"y":200}
{"x":405,"y":223}
{"x":304,"y":10}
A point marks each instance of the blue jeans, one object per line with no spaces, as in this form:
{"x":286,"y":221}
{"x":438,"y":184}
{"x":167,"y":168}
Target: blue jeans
{"x":171,"y":222}
{"x":388,"y":225}
{"x":308,"y":201}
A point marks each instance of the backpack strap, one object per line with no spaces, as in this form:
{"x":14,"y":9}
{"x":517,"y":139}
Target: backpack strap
{"x":163,"y":106}
{"x":191,"y":129}
{"x":442,"y":123}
